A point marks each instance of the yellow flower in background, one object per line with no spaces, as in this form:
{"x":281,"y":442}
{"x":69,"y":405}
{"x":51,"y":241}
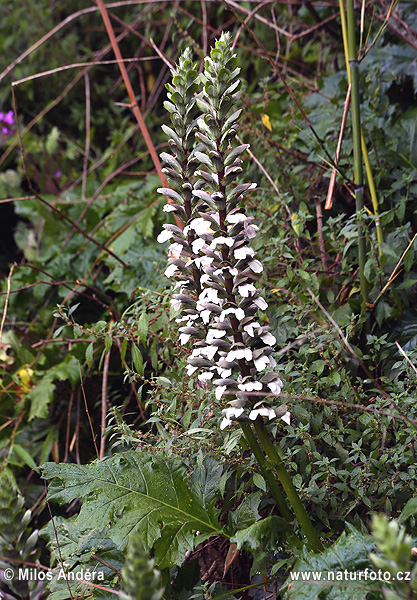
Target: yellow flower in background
{"x":25,"y":377}
{"x":267,"y":122}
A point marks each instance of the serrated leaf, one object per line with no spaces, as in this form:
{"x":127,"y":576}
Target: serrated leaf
{"x":135,"y":491}
{"x":350,"y":552}
{"x":263,"y":533}
{"x":205,"y":482}
{"x":42,"y":393}
{"x":247,"y":512}
{"x":137,"y":359}
{"x":40,"y":396}
{"x":75,"y":548}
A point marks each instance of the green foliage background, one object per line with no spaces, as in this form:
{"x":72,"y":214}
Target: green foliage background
{"x":72,"y":311}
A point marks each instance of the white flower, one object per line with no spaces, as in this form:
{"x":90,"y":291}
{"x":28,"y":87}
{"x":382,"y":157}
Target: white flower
{"x":196,"y":353}
{"x":224,"y":373}
{"x":239,"y":354}
{"x":198,"y":245}
{"x":250,"y":328}
{"x":275,"y":386}
{"x":176,"y":305}
{"x":170,"y":270}
{"x":203,"y":261}
{"x":221,"y":240}
{"x":229,"y":415}
{"x":199,"y":225}
{"x":250,"y":231}
{"x":256,"y":266}
{"x":220,"y":391}
{"x":210,"y":351}
{"x":261,"y":362}
{"x":205,"y":315}
{"x":205,"y":376}
{"x":262,"y":412}
{"x":239,"y":313}
{"x":164,"y":236}
{"x":184,"y":337}
{"x":268,"y":338}
{"x":260,"y":303}
{"x":286,"y":418}
{"x":190,"y":370}
{"x":236,"y":218}
{"x":250,"y":386}
{"x":209,"y":295}
{"x":175,"y":250}
{"x":243,"y":252}
{"x":232,"y":412}
{"x":214,"y":334}
{"x":246,"y":289}
{"x":169,"y":208}
{"x":225,"y":422}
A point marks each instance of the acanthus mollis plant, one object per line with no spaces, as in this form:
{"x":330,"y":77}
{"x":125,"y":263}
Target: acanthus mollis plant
{"x":212,"y":260}
{"x":212,"y":256}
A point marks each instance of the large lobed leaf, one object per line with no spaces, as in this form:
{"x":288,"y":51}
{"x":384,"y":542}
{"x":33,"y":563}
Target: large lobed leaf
{"x":350,"y":552}
{"x":136,"y":491}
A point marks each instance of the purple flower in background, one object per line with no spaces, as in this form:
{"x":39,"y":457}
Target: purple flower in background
{"x":8,"y":118}
{"x":58,"y":174}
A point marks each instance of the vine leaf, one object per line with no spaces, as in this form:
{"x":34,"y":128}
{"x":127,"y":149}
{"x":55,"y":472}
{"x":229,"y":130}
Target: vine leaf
{"x":136,"y":491}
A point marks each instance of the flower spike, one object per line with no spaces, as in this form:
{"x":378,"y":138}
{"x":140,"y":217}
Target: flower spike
{"x":216,"y":268}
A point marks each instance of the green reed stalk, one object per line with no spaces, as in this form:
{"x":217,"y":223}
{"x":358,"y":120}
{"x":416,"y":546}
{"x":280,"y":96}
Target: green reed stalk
{"x":357,"y":147}
{"x":368,"y":168}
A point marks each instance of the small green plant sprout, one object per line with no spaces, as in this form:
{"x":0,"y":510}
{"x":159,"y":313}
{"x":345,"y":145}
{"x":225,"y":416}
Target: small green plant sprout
{"x":211,"y":259}
{"x":141,"y":580}
{"x":18,"y":543}
{"x":394,"y":558}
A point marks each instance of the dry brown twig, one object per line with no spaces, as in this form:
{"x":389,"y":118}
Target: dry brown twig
{"x":3,"y":319}
{"x":129,"y":88}
{"x":87,"y":134}
{"x":329,"y":198}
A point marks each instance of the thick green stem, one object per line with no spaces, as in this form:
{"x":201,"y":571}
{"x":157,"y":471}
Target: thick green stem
{"x":357,"y":149}
{"x":267,"y":473}
{"x":288,"y":486}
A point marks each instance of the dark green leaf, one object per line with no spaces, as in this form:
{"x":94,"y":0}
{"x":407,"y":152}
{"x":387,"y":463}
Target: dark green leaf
{"x":136,"y":491}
